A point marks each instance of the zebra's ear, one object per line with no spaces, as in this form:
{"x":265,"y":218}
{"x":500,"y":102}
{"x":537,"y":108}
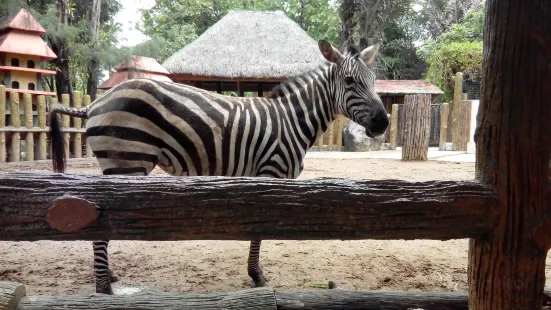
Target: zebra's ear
{"x":329,"y":52}
{"x":369,"y":53}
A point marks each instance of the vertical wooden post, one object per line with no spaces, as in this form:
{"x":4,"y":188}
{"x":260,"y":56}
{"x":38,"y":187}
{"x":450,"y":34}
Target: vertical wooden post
{"x":3,"y":150}
{"x":416,"y":127}
{"x":89,"y":153}
{"x":513,"y":142}
{"x":15,"y":122}
{"x":65,"y":100}
{"x":77,"y":141}
{"x":28,"y":116}
{"x":331,"y":138}
{"x":340,"y":129}
{"x":42,"y":137}
{"x":444,"y":111}
{"x":462,"y":125}
{"x":457,"y":95}
{"x":393,"y":127}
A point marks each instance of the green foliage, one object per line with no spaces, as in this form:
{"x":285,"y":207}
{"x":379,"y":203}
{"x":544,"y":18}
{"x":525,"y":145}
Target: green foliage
{"x":458,"y":49}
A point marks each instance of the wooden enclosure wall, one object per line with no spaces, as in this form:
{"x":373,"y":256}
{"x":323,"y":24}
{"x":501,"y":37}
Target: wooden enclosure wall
{"x":332,"y":139}
{"x":24,"y":135}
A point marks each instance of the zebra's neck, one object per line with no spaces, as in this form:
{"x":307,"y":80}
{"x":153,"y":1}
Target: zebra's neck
{"x":307,"y":101}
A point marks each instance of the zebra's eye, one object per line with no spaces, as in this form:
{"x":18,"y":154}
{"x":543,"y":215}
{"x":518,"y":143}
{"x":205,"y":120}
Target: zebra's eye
{"x":349,"y":80}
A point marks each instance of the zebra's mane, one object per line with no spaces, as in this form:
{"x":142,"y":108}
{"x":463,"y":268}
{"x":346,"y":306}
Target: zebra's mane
{"x":277,"y":91}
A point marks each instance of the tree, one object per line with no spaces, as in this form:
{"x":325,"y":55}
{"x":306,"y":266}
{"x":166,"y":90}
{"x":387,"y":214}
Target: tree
{"x":93,"y":67}
{"x":458,"y":49}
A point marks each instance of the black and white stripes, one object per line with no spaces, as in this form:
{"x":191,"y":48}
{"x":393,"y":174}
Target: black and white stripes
{"x":186,"y":131}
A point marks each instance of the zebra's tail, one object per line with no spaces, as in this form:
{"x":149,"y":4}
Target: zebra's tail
{"x":57,"y":142}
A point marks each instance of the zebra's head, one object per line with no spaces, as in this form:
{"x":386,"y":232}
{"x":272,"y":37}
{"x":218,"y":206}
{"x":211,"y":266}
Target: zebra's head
{"x":354,"y":86}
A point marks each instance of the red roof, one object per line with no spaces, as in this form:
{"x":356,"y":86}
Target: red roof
{"x":18,"y":42}
{"x":22,"y":20}
{"x":121,"y":76}
{"x":403,"y":87}
{"x":142,"y":63}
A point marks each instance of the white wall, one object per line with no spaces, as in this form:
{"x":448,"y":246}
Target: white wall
{"x":471,"y":147}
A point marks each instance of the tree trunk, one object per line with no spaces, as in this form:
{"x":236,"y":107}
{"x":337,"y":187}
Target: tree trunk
{"x":59,"y":47}
{"x":348,"y":8}
{"x":93,"y":67}
{"x":416,"y":127}
{"x":507,"y":266}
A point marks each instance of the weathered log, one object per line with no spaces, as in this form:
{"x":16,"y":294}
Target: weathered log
{"x":393,"y":127}
{"x":513,"y":144}
{"x":10,"y":295}
{"x":461,"y":125}
{"x":258,"y":298}
{"x":350,"y":300}
{"x":416,"y":127}
{"x":226,"y":208}
{"x":444,"y":111}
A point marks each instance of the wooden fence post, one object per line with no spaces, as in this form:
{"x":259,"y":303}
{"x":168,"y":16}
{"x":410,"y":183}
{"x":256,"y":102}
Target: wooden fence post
{"x":331,"y":135}
{"x":444,"y":111}
{"x":457,"y":95}
{"x":65,"y":100}
{"x":3,"y":150}
{"x":340,"y":129}
{"x":42,"y":136}
{"x":86,"y":103}
{"x":507,"y":265}
{"x":416,"y":127}
{"x":15,"y":154}
{"x":462,"y":126}
{"x":77,"y":141}
{"x":28,"y":116}
{"x":393,"y":127}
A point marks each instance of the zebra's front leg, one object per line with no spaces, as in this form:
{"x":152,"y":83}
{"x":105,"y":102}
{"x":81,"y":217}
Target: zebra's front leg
{"x":253,"y":265}
{"x":104,"y":275}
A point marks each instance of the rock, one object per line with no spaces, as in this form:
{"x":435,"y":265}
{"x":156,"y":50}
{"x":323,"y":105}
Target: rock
{"x":355,"y":139}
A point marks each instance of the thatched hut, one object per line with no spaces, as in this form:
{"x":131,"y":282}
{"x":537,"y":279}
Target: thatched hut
{"x":246,"y":51}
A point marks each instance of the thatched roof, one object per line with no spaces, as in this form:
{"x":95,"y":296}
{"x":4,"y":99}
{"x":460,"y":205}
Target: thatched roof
{"x":248,"y":45}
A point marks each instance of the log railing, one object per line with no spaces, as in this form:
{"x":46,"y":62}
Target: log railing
{"x":23,"y":119}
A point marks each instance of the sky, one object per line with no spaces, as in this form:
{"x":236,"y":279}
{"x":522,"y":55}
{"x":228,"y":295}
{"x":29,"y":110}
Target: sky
{"x":127,"y":17}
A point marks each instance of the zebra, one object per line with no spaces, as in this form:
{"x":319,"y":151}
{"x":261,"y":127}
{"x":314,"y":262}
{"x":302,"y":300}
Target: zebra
{"x":187,"y":131}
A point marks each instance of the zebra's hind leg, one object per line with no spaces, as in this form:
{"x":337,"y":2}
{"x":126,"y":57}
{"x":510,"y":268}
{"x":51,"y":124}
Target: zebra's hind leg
{"x":253,"y":265}
{"x":104,"y":275}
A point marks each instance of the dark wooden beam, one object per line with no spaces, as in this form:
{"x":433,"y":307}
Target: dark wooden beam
{"x":513,"y":141}
{"x":13,"y":297}
{"x":177,"y":208}
{"x":369,"y":300}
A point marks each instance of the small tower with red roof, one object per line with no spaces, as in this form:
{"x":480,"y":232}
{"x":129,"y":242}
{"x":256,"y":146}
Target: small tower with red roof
{"x":21,"y":52}
{"x":136,"y":67}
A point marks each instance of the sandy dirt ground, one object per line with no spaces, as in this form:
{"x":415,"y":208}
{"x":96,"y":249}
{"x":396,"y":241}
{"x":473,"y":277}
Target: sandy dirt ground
{"x":58,"y":268}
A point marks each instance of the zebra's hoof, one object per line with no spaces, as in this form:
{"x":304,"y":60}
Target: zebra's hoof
{"x":259,"y":281}
{"x":113,"y":277}
{"x":104,"y":290}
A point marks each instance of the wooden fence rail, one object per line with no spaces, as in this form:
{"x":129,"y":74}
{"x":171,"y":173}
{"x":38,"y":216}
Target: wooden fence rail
{"x":96,"y":207}
{"x":14,"y":297}
{"x":27,"y":138}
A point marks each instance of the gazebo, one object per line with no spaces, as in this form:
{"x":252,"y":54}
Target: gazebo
{"x":136,"y":67}
{"x":246,"y":51}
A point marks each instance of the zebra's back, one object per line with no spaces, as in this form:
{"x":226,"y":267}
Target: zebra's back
{"x":185,"y":130}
